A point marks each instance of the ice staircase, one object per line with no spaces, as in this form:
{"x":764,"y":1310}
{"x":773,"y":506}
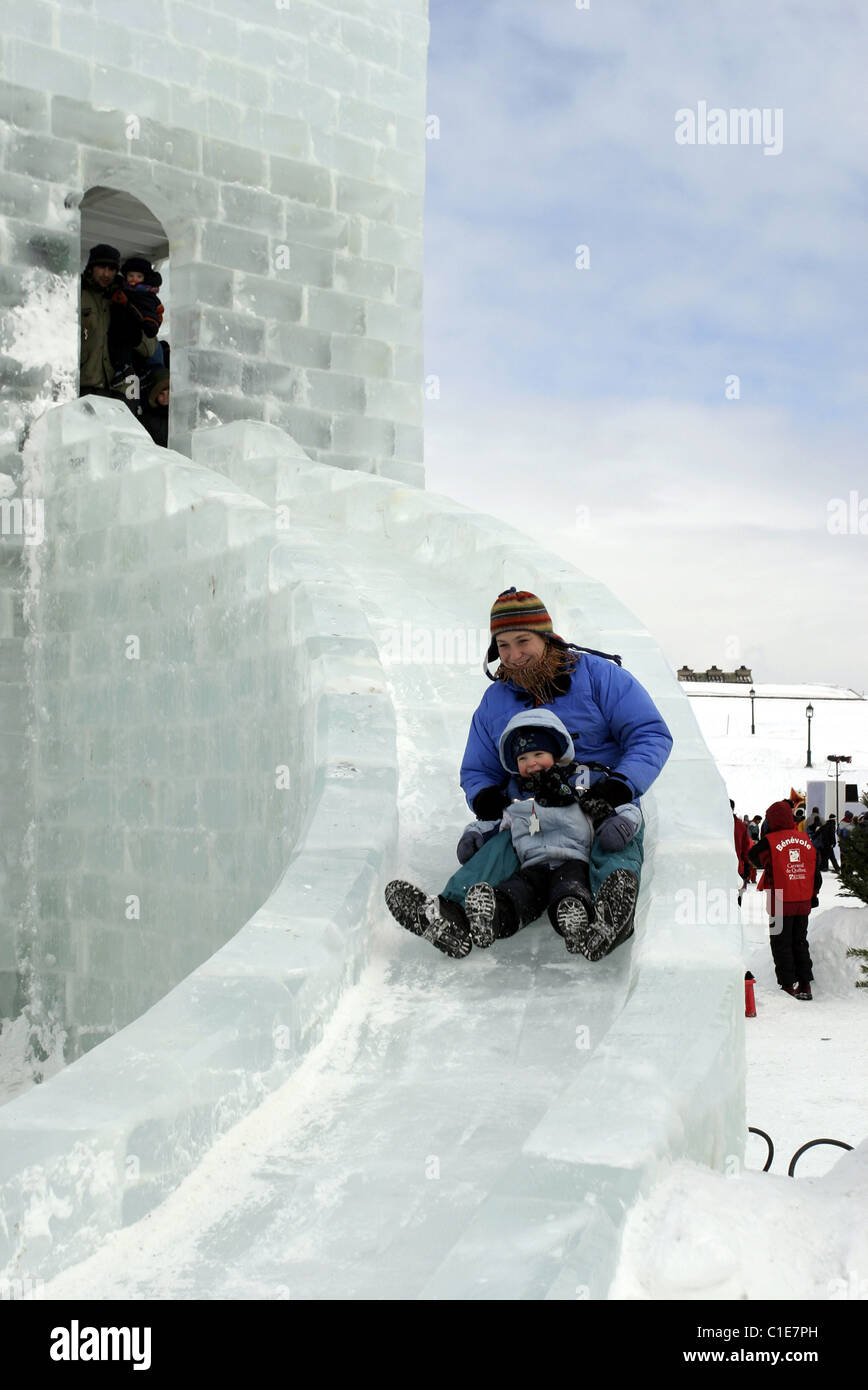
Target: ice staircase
{"x":321,"y":1105}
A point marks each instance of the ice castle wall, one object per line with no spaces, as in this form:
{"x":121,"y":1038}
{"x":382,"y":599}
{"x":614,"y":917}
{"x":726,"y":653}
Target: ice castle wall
{"x":282,"y":146}
{"x":140,"y":740}
{"x":168,"y":698}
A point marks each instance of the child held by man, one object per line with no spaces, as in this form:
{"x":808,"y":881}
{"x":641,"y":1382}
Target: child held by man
{"x":139,"y":290}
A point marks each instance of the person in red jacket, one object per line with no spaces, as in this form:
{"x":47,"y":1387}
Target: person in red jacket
{"x":743,"y":846}
{"x":791,"y":875}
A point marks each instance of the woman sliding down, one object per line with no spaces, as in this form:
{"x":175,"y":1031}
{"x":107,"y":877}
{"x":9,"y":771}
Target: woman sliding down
{"x":561,"y":747}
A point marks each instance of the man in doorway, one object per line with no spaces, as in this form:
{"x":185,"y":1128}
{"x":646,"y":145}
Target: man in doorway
{"x":111,"y":331}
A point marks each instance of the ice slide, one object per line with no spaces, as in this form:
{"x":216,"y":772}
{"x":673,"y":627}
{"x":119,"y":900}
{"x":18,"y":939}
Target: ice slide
{"x":324,"y":1106}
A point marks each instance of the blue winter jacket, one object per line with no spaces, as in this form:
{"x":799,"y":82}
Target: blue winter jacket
{"x":609,"y":715}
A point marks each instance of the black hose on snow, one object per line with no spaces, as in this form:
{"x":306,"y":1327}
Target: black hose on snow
{"x":791,"y":1171}
{"x":768,"y":1163}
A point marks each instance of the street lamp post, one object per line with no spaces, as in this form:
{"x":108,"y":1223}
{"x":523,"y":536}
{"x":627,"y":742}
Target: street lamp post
{"x":809,"y":712}
{"x":838,"y":759}
{"x":752,"y":698}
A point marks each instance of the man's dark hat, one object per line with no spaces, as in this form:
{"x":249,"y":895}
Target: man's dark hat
{"x":103,"y":254}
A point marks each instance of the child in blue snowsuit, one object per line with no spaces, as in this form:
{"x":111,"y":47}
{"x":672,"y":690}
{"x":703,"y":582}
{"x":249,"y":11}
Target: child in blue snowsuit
{"x":552,"y":837}
{"x":620,"y":742}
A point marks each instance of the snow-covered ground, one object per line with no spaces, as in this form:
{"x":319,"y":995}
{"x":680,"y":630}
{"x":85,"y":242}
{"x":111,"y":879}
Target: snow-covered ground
{"x":762,"y":767}
{"x":701,"y":1235}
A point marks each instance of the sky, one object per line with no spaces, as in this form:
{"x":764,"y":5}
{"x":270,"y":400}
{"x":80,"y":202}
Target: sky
{"x":682,"y":415}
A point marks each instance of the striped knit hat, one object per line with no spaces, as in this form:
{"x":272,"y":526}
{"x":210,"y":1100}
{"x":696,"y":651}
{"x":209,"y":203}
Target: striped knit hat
{"x":516,"y":609}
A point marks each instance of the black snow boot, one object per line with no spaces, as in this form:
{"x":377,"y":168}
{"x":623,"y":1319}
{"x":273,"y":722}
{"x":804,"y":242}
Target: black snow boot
{"x":407,"y":905}
{"x":574,"y":925}
{"x":442,"y":923}
{"x":616,"y":906}
{"x":480,"y":904}
{"x":447,"y":928}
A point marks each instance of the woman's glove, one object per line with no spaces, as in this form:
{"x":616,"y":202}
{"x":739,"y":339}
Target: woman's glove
{"x":619,"y":829}
{"x":614,"y":790}
{"x":489,"y":803}
{"x":474,"y":837}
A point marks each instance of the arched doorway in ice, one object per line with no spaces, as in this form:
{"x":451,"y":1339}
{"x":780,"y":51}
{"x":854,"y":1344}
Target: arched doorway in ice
{"x":119,"y":219}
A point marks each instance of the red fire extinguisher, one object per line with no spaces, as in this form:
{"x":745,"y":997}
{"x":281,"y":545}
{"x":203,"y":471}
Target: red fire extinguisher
{"x":749,"y":1001}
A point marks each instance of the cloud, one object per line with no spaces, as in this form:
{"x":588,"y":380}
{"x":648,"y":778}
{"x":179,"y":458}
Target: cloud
{"x":604,"y":389}
{"x":558,"y":129}
{"x":709,"y":523}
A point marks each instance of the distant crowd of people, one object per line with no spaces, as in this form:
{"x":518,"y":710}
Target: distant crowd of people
{"x":793,"y":852}
{"x":122,"y":355}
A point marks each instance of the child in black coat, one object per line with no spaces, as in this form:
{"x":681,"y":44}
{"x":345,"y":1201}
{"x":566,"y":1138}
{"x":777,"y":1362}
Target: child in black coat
{"x":139,"y":290}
